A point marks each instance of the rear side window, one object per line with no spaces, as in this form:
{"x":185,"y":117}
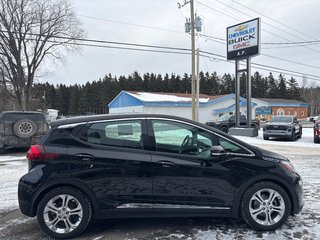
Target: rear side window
{"x":18,"y":116}
{"x":126,"y":134}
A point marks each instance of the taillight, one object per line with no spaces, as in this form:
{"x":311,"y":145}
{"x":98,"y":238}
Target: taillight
{"x":37,"y":152}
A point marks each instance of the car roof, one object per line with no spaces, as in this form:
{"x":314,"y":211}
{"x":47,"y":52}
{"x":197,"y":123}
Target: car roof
{"x":101,"y":117}
{"x":21,"y":112}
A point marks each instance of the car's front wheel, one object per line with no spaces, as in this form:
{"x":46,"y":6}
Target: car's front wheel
{"x":64,"y":213}
{"x":266,"y":206}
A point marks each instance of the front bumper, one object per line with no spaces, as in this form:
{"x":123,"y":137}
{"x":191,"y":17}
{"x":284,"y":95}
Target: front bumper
{"x":278,"y":133}
{"x":299,"y":196}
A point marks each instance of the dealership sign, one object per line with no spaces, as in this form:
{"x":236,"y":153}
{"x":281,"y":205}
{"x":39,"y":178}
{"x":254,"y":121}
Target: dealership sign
{"x":243,"y":40}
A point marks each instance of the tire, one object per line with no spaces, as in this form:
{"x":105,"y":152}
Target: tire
{"x":53,"y":221}
{"x":300,"y":135}
{"x":224,"y":129}
{"x":316,"y":139}
{"x":265,"y":137}
{"x":293,"y":136}
{"x":2,"y":150}
{"x":25,"y":128}
{"x":256,"y":206}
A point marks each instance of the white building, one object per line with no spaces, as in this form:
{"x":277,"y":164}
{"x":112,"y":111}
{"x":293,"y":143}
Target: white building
{"x":178,"y":104}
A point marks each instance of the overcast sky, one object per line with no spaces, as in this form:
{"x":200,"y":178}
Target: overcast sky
{"x":162,"y":23}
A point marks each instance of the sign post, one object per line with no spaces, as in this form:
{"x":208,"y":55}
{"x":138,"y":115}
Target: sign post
{"x":243,"y":42}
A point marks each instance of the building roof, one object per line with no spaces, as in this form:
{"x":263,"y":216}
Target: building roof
{"x":170,"y":97}
{"x":277,"y":100}
{"x":272,"y":102}
{"x":160,"y":99}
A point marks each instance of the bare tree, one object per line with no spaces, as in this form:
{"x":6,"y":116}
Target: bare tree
{"x":32,"y":31}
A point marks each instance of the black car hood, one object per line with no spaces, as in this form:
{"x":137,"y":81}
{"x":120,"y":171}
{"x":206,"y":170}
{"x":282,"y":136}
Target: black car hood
{"x":265,"y":153}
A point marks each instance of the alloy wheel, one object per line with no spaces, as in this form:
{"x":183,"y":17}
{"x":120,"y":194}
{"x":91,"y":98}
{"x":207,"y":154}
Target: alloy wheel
{"x":63,"y":213}
{"x":267,"y":207}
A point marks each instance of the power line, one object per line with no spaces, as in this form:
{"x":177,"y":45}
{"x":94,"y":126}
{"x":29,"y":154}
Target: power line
{"x":275,"y":20}
{"x":270,"y":68}
{"x":199,"y":34}
{"x":108,"y":42}
{"x":278,"y":58}
{"x":183,"y":51}
{"x":271,"y":33}
{"x":132,"y":24}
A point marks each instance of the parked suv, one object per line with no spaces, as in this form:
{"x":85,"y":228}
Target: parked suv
{"x":316,"y":130}
{"x":283,"y":127}
{"x":116,"y":166}
{"x":225,"y":122}
{"x":21,"y":129}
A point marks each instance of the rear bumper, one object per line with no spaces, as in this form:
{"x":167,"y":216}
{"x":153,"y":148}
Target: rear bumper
{"x":25,"y":198}
{"x":14,"y":141}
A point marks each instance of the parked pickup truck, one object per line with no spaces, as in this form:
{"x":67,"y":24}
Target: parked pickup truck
{"x":283,"y":127}
{"x":225,"y":122}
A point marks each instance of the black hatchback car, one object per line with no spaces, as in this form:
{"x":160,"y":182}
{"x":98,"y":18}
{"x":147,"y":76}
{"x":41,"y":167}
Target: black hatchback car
{"x":128,"y":166}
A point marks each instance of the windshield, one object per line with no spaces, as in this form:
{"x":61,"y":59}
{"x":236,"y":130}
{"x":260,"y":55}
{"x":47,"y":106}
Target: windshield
{"x":223,"y":118}
{"x":281,"y":119}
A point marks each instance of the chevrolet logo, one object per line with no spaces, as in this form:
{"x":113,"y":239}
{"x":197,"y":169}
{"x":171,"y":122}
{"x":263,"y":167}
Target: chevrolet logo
{"x":241,"y":27}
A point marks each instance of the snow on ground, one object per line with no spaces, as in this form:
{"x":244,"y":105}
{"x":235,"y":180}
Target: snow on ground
{"x":12,"y":167}
{"x":7,"y":158}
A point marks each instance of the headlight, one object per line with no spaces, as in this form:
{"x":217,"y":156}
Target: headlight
{"x":287,"y":166}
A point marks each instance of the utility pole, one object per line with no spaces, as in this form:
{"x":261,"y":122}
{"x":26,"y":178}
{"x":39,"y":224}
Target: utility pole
{"x":192,"y":24}
{"x":198,"y":85}
{"x":193,"y":62}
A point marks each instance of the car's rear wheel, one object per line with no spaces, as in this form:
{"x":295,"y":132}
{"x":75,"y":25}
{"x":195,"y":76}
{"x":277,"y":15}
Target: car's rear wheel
{"x":64,"y":213}
{"x":316,"y":139}
{"x":265,"y":137}
{"x":265,"y":206}
{"x":224,"y":129}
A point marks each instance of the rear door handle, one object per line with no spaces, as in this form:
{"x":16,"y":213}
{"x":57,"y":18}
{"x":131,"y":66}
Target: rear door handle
{"x":84,"y":156}
{"x":166,"y":163}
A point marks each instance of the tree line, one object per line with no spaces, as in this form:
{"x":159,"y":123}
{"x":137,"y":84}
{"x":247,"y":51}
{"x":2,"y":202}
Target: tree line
{"x":94,"y":96}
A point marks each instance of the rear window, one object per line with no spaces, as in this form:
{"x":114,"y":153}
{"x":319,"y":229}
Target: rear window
{"x":18,"y":116}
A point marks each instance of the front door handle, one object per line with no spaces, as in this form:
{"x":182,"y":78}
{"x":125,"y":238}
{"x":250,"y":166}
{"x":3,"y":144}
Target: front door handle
{"x":84,"y":156}
{"x":166,"y":163}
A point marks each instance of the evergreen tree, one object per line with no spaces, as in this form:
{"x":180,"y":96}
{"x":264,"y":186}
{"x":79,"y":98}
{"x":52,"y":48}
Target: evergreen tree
{"x":185,"y":86}
{"x":227,"y":84}
{"x":294,"y":89}
{"x":273,"y":87}
{"x":146,"y":81}
{"x":74,"y":100}
{"x":259,"y":86}
{"x":282,"y":87}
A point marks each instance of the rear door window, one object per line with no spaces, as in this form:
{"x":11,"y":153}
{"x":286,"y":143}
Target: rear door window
{"x":126,"y":134}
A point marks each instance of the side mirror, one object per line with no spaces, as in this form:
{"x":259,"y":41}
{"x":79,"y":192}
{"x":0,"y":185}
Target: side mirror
{"x":218,"y":151}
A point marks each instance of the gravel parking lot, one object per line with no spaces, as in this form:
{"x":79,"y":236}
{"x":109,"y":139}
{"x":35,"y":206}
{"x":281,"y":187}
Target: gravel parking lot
{"x":303,"y":153}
